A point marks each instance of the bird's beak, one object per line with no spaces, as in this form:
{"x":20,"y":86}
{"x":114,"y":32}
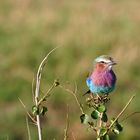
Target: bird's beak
{"x":112,"y":63}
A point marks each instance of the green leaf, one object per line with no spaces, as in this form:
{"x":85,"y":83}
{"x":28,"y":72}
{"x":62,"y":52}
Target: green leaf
{"x":106,"y":137}
{"x":116,"y":131}
{"x":103,"y":130}
{"x":43,"y":110}
{"x":104,"y":117}
{"x":95,"y":114}
{"x":84,"y":118}
{"x":35,"y":110}
{"x":101,"y":108}
{"x":119,"y":127}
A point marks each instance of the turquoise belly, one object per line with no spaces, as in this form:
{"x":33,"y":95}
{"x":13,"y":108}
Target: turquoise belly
{"x":99,"y":89}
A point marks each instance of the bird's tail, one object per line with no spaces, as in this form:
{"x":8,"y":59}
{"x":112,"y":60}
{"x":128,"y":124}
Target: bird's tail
{"x":88,"y":92}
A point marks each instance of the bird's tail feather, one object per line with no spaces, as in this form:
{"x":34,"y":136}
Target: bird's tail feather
{"x":87,"y":92}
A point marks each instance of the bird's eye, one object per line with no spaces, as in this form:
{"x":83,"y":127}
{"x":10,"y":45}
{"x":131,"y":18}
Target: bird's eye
{"x":102,"y":62}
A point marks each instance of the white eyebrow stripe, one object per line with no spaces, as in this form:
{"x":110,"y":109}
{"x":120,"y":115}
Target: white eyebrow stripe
{"x":103,"y":59}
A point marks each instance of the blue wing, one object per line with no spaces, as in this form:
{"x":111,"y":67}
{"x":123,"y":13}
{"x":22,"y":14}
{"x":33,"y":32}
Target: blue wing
{"x":88,"y":81}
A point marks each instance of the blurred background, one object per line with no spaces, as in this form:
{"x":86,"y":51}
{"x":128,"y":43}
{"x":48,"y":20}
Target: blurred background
{"x":83,"y":29}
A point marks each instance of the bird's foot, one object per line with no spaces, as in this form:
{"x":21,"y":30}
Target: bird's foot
{"x":101,"y":99}
{"x":105,"y":98}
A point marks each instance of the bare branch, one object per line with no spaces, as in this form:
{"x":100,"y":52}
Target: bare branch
{"x":67,"y":125}
{"x":37,"y":89}
{"x":28,"y":129}
{"x":39,"y":72}
{"x":27,"y":111}
{"x":33,"y":92}
{"x":130,"y":115}
{"x":73,"y":137}
{"x":73,"y":93}
{"x":46,"y":95}
{"x":76,"y":89}
{"x":130,"y":100}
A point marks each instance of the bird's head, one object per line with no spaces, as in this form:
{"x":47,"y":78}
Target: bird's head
{"x":104,"y":62}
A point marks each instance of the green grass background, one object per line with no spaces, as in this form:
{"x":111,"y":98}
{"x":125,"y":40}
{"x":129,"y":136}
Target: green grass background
{"x":83,"y":29}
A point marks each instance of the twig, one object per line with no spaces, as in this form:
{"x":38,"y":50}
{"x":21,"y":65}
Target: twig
{"x":75,"y":90}
{"x":99,"y":121}
{"x":27,"y":111}
{"x":99,"y":125}
{"x":46,"y":95}
{"x":73,"y":93}
{"x":73,"y":136}
{"x":130,"y":100}
{"x":37,"y":89}
{"x":130,"y":115}
{"x":33,"y":93}
{"x":28,"y":129}
{"x":67,"y":125}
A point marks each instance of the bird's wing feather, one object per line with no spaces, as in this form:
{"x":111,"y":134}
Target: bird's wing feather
{"x":88,"y":81}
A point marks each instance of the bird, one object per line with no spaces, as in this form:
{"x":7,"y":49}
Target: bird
{"x":102,"y":79}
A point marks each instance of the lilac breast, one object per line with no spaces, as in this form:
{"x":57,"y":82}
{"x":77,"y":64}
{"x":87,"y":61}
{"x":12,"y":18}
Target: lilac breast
{"x":104,"y":78}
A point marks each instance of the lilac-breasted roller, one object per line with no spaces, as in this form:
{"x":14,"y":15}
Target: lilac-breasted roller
{"x":102,"y":79}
